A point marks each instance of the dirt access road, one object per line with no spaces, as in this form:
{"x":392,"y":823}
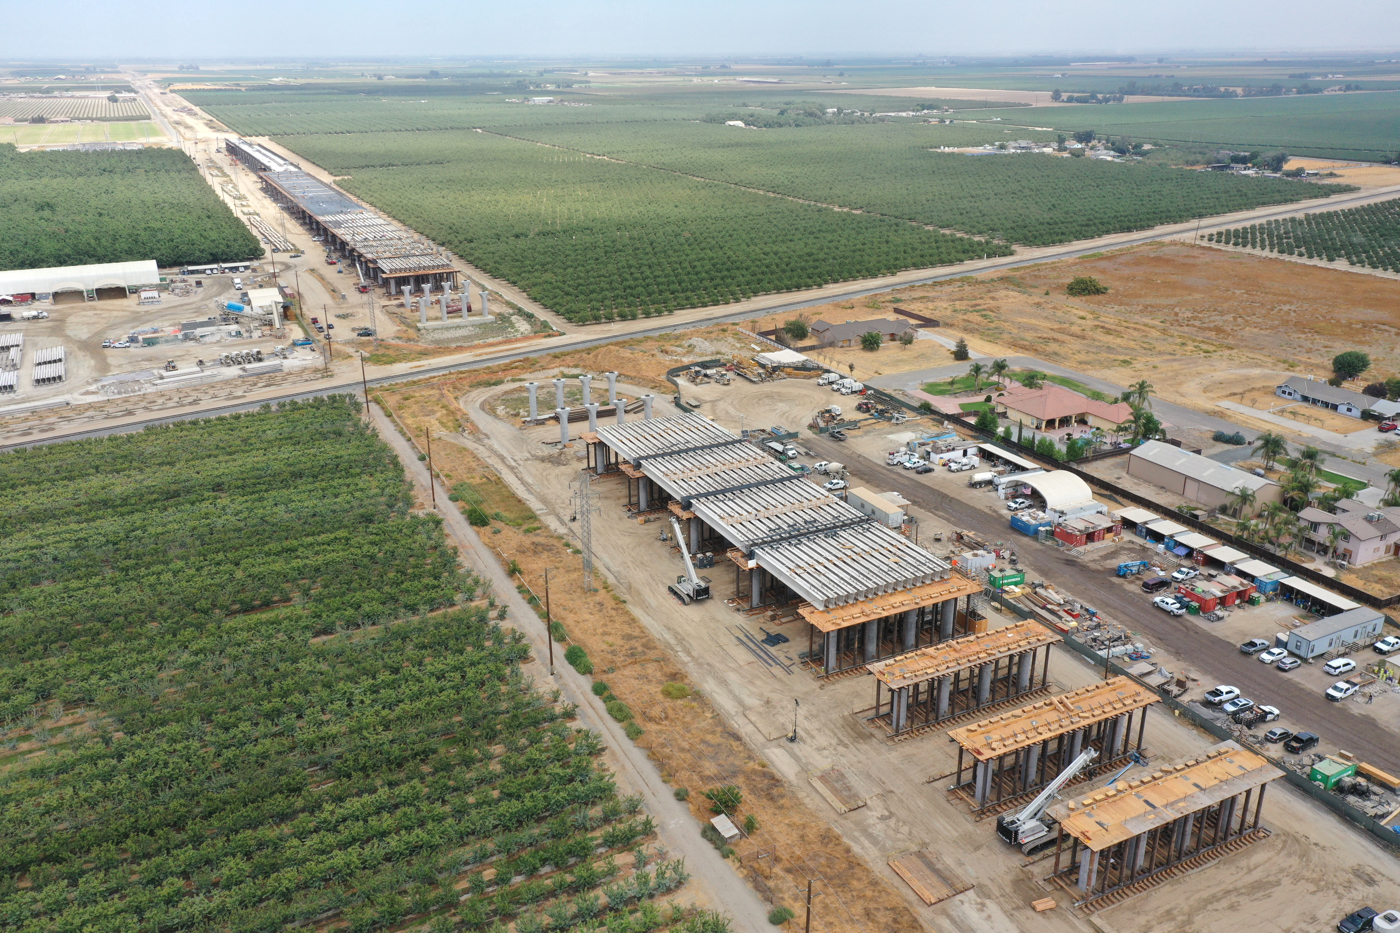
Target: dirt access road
{"x":712,"y":881}
{"x":1216,"y":658}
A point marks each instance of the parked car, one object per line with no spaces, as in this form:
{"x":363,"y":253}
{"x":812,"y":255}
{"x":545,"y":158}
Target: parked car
{"x":1386,"y":645}
{"x":107,"y":344}
{"x":1185,"y":573}
{"x":1254,"y":646}
{"x":1385,"y":427}
{"x":924,"y":468}
{"x":1237,"y":705}
{"x":1272,"y":655}
{"x":1167,"y":604}
{"x":1340,"y":690}
{"x":122,"y":344}
{"x":364,"y":332}
{"x":1358,"y":922}
{"x":1301,"y":742}
{"x":1289,"y":663}
{"x":1155,"y":584}
{"x":1017,"y":505}
{"x":913,"y":463}
{"x":1277,"y":735}
{"x":1339,"y":666}
{"x":1223,"y":693}
{"x":837,"y":435}
{"x":834,"y":485}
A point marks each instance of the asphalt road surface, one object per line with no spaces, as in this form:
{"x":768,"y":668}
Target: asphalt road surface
{"x":1216,"y":659}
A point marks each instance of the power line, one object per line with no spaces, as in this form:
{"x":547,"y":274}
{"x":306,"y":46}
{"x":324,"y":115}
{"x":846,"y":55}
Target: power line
{"x":584,"y":506}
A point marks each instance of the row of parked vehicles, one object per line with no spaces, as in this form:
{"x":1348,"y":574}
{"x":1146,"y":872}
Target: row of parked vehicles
{"x":838,"y":383}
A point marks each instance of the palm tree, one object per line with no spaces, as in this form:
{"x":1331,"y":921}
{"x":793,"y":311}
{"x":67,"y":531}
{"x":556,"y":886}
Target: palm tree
{"x":999,"y":368}
{"x":1335,"y":534}
{"x":976,"y":371}
{"x":1270,"y":514}
{"x":1145,"y":425}
{"x":1033,"y":380}
{"x":1139,"y":394}
{"x":1270,"y":447}
{"x":1299,"y":489}
{"x":1310,"y":460}
{"x":1242,"y":501}
{"x":1346,"y":489}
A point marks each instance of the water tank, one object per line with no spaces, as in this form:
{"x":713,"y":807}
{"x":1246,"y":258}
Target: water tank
{"x":234,"y":306}
{"x":1387,"y":920}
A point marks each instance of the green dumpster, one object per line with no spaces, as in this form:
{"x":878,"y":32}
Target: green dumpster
{"x":1193,"y":608}
{"x":1329,"y":771}
{"x":1255,"y":599}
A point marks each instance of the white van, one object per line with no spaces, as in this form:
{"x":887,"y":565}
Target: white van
{"x":237,"y":284}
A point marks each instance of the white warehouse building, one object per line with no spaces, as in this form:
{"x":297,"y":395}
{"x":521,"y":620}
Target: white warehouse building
{"x":80,"y":283}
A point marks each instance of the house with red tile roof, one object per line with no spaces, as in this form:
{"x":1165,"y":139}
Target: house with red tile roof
{"x":1053,"y":407}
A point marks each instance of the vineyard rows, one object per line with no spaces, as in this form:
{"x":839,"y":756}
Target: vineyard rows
{"x":78,"y":108}
{"x":71,"y":208}
{"x":237,"y":697}
{"x":1363,"y":236}
{"x":596,"y":240}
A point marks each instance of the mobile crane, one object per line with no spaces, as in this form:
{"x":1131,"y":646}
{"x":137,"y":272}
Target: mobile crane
{"x":1029,"y":830}
{"x":689,"y":588}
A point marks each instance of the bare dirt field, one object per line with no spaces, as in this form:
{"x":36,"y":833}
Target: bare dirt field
{"x":1197,"y":323}
{"x":1361,"y":174}
{"x":1257,"y":392}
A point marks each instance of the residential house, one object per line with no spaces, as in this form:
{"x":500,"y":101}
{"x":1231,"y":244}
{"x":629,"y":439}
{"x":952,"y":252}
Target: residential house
{"x":1319,"y":393}
{"x":1368,"y":534}
{"x":848,"y":334}
{"x":1053,"y":407}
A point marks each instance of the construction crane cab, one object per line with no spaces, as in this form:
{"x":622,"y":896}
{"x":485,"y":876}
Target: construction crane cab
{"x":1028,"y":829}
{"x":689,"y":588}
{"x":1130,"y":567}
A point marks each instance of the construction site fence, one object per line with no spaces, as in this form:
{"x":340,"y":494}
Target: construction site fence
{"x":1195,"y":524}
{"x":1334,"y":802}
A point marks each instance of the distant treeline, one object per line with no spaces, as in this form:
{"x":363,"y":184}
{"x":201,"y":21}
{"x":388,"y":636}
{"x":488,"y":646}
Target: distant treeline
{"x":1177,"y":89}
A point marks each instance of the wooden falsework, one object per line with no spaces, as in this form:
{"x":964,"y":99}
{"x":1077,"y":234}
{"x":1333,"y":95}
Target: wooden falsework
{"x":928,"y":877}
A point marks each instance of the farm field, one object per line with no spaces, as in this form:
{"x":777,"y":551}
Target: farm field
{"x":595,"y":240}
{"x":1024,"y":198}
{"x":267,"y":710}
{"x":71,"y":208}
{"x":1363,"y":236}
{"x":58,"y":134}
{"x":1348,"y":126}
{"x":79,"y":108}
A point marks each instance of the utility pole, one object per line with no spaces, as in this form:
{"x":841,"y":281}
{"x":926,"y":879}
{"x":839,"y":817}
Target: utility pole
{"x":364,"y":383}
{"x":809,"y":906}
{"x":583,"y":511}
{"x":432,"y":482}
{"x":548,"y":622}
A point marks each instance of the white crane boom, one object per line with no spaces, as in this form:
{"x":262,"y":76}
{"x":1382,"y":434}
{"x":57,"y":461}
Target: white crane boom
{"x":685,"y":554}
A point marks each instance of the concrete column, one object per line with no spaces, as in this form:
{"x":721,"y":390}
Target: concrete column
{"x":612,"y":387}
{"x":1076,"y":745}
{"x":1187,"y":826}
{"x":1114,"y":738}
{"x":872,"y":638}
{"x":428,"y":288}
{"x":533,"y":388}
{"x":642,"y":491}
{"x":1025,"y":666}
{"x":587,"y":383}
{"x":1136,"y":852}
{"x":593,"y":416}
{"x":622,"y":411}
{"x":646,"y":406}
{"x":442,"y":305}
{"x":408,"y":297}
{"x":694,"y":535}
{"x":1228,"y":810}
{"x":393,"y":286}
{"x":829,"y":657}
{"x":899,"y":709}
{"x":558,"y":393}
{"x":485,"y":308}
{"x":423,"y":310}
{"x":984,"y":684}
{"x":563,"y":415}
{"x":982,"y":782}
{"x":756,"y":589}
{"x":945,"y":696}
{"x":1028,"y":766}
{"x":1088,"y":867}
{"x":908,"y":629}
{"x":948,"y":609}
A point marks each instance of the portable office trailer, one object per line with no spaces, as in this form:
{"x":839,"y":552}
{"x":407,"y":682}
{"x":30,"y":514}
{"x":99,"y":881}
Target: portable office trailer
{"x":1318,"y":638}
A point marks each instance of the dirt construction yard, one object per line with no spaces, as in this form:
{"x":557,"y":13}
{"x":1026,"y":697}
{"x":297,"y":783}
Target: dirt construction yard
{"x":1326,"y":868}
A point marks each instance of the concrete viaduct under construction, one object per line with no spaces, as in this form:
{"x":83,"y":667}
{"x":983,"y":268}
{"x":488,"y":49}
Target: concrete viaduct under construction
{"x":867,"y":591}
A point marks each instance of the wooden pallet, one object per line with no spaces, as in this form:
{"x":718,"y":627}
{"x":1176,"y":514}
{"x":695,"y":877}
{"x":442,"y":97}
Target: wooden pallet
{"x":845,"y":792}
{"x":926,"y":875}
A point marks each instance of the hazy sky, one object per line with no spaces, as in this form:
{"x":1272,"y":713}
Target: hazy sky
{"x":603,"y":28}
